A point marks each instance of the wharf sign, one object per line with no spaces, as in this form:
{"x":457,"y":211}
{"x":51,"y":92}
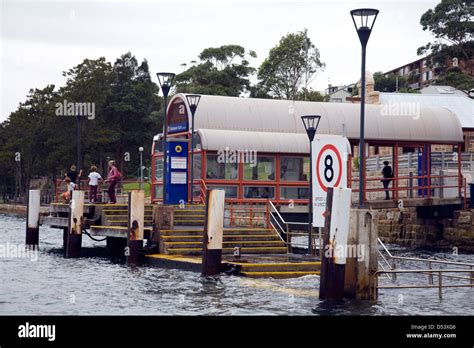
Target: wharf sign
{"x":330,"y":154}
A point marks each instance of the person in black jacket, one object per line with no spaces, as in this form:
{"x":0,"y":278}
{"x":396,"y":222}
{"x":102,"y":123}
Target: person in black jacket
{"x":387,"y":177}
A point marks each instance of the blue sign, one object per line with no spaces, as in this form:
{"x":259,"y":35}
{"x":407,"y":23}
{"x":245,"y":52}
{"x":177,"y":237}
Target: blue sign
{"x":176,"y":173}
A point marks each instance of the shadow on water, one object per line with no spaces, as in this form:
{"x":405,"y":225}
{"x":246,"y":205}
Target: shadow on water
{"x":345,"y":307}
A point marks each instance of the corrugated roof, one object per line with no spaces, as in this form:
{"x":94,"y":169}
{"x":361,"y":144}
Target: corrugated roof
{"x":462,"y":106}
{"x":217,"y":139}
{"x":435,"y":125}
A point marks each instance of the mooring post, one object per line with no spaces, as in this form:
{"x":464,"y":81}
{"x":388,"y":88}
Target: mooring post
{"x":136,"y":217}
{"x":213,"y":233}
{"x":32,"y":222}
{"x":76,"y":218}
{"x":335,"y":243}
{"x":360,"y":281}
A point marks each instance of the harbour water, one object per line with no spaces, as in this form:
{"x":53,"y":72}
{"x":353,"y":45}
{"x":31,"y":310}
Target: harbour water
{"x":48,"y":284}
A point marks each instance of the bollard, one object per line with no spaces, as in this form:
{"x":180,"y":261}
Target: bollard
{"x":136,"y":220}
{"x":213,"y":233}
{"x":75,"y":225}
{"x":335,"y":243}
{"x":32,"y":222}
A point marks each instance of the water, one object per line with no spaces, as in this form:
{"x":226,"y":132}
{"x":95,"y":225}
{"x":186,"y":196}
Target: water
{"x":94,"y":285}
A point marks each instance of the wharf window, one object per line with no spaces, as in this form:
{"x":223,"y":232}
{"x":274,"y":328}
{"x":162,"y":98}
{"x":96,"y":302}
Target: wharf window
{"x":158,"y":191}
{"x":259,"y":192}
{"x":263,"y":170}
{"x":197,"y":166}
{"x":294,"y":169}
{"x":294,"y":192}
{"x":230,"y":191}
{"x":217,"y":170}
{"x":159,"y":168}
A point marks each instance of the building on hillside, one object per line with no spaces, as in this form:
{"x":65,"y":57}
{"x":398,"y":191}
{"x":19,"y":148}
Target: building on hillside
{"x":340,"y":94}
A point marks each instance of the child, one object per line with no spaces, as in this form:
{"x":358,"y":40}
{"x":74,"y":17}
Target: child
{"x":66,"y":196}
{"x":94,"y":179}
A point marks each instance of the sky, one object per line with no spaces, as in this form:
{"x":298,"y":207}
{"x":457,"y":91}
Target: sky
{"x":41,"y":39}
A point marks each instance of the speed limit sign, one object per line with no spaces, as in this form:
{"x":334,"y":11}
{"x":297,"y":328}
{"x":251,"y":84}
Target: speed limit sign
{"x":330,"y":154}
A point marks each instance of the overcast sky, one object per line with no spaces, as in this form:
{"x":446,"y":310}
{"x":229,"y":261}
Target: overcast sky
{"x":40,"y":39}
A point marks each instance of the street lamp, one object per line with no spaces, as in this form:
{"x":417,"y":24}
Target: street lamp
{"x":141,"y":167}
{"x":193,"y":101}
{"x":166,"y":82}
{"x":311,"y":123}
{"x":367,"y":20}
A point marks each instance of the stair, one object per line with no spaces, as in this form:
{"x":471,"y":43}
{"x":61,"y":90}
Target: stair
{"x":117,"y":215}
{"x":189,"y":215}
{"x":249,"y":240}
{"x":278,"y":269}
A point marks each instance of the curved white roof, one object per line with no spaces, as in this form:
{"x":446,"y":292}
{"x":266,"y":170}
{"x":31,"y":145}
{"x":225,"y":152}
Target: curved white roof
{"x":435,"y":125}
{"x":216,"y":139}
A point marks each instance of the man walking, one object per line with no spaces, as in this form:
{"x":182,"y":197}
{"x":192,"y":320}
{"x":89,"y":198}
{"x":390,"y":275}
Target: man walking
{"x":387,"y":177}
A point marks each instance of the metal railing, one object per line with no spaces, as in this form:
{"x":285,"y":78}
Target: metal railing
{"x":388,"y":264}
{"x":283,"y":228}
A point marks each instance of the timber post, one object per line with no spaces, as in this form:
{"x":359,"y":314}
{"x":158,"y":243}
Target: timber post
{"x":213,"y":232}
{"x":75,"y":225}
{"x":32,"y":223}
{"x":136,"y":221}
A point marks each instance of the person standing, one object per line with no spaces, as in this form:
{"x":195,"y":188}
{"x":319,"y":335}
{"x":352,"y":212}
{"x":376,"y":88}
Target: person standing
{"x":73,"y":174}
{"x":387,"y":177}
{"x":94,"y":179}
{"x":112,"y":179}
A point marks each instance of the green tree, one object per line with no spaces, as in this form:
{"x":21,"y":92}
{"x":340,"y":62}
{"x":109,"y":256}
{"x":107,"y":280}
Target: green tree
{"x":451,"y":22}
{"x":222,"y":70}
{"x":389,"y":83}
{"x":290,"y":65}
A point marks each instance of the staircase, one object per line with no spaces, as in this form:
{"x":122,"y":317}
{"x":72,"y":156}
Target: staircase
{"x":249,"y":240}
{"x":117,"y":215}
{"x":278,"y":269}
{"x":189,"y":215}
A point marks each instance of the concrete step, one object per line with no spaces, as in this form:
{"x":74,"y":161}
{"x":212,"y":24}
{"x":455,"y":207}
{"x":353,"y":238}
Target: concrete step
{"x":280,"y":267}
{"x":231,"y":244}
{"x":227,"y":232}
{"x":246,"y":250}
{"x":278,"y":275}
{"x":227,"y":238}
{"x":179,"y":222}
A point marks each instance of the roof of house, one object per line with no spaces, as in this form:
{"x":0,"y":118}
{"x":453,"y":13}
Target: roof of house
{"x":437,"y":125}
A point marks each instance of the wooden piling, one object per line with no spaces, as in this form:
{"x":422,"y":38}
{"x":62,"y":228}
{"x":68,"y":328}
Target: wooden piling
{"x":75,"y":225}
{"x":32,"y":222}
{"x":213,"y":233}
{"x":335,"y":244}
{"x":136,"y":220}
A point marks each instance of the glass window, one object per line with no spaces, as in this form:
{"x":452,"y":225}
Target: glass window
{"x":159,"y":168}
{"x":259,"y":192}
{"x":230,"y":191}
{"x":264,"y":170}
{"x":217,"y":170}
{"x":294,"y":192}
{"x":197,"y":166}
{"x":294,"y":169}
{"x":159,"y":146}
{"x":158,"y":191}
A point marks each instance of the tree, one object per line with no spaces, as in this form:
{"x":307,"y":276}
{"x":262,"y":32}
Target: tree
{"x":451,"y":22}
{"x":290,"y":65}
{"x":389,"y":83}
{"x":223,"y":70}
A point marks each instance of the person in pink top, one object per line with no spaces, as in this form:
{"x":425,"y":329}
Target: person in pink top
{"x":113,"y":177}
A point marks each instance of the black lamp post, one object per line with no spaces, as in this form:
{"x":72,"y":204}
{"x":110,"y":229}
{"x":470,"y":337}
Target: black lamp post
{"x":193,"y":101}
{"x":311,"y":123}
{"x":166,"y":82}
{"x":366,"y":17}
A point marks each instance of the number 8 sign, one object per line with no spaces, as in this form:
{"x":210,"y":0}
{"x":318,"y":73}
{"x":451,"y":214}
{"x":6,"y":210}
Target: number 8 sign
{"x":329,"y":162}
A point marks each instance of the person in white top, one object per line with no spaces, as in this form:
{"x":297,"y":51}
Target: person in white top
{"x":94,"y":179}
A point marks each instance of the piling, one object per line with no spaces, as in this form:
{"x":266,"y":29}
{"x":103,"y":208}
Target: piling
{"x":33,"y":216}
{"x":75,"y":225}
{"x":213,"y":233}
{"x":136,"y":221}
{"x":335,"y":244}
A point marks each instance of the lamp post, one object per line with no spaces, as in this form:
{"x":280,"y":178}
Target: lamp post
{"x":311,"y":123}
{"x":78,"y":149}
{"x":193,"y":101}
{"x":141,"y":167}
{"x":166,"y":82}
{"x":367,"y":20}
